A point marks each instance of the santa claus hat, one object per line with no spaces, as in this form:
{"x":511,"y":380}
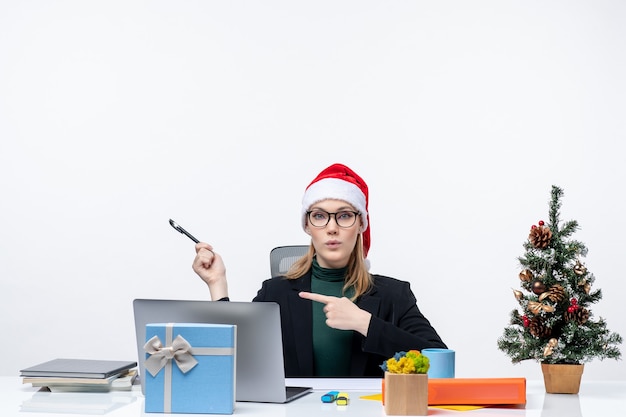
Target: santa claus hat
{"x":340,"y":183}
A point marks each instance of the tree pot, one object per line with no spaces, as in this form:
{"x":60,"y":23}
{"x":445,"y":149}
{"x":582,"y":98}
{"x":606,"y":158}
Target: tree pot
{"x":562,"y":378}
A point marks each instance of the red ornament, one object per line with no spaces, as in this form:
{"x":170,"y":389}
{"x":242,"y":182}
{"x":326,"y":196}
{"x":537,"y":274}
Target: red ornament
{"x":573,"y":306}
{"x":534,"y":226}
{"x":541,"y":223}
{"x":526,"y":321}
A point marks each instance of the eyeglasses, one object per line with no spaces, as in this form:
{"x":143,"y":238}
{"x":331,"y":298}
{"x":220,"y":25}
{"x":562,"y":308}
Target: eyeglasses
{"x":320,"y":218}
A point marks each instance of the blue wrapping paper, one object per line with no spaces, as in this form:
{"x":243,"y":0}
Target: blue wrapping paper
{"x":194,"y":368}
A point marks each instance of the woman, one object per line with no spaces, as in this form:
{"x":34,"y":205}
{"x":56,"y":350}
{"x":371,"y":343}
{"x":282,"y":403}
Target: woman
{"x":337,"y":319}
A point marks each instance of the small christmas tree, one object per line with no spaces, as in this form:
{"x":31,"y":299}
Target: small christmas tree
{"x":556,"y":324}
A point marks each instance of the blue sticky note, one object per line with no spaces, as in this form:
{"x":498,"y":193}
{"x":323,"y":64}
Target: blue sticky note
{"x":329,"y":397}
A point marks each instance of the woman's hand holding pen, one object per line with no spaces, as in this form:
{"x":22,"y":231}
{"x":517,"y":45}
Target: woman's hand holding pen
{"x":210,"y":267}
{"x":341,"y":313}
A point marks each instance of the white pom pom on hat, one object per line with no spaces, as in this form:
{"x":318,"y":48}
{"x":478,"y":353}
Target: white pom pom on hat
{"x":339,"y":182}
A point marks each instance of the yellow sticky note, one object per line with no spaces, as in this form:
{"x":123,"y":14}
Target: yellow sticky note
{"x":379,"y":397}
{"x":342,"y":398}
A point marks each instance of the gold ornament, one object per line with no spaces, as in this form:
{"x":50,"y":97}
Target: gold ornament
{"x":536,"y":308}
{"x":518,"y":294}
{"x":580,"y":269}
{"x":547,"y":351}
{"x":586,"y":286}
{"x":555,"y":293}
{"x":526,"y":275}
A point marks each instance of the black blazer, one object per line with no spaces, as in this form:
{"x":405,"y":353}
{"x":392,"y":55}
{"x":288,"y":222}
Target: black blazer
{"x":396,"y":325}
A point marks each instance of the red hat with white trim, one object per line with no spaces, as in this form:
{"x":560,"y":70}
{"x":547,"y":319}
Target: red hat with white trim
{"x":339,"y":182}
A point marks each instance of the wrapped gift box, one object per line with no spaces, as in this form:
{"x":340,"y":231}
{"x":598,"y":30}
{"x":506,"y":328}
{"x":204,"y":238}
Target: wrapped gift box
{"x":190,"y":368}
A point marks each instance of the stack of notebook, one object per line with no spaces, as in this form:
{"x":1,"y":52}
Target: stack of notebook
{"x":78,"y":375}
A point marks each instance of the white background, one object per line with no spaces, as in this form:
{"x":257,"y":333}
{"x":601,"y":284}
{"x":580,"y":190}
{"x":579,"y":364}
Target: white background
{"x":118,"y":115}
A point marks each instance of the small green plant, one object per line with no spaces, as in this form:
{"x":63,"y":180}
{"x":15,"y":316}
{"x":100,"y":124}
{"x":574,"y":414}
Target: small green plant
{"x":411,"y":362}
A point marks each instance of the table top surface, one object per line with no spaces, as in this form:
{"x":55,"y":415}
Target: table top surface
{"x":595,"y":399}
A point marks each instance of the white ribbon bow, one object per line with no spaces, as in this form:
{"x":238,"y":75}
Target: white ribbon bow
{"x":180,"y":351}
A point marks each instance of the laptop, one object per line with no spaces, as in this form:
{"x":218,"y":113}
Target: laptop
{"x":260,"y":370}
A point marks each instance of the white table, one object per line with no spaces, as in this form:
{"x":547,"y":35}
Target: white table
{"x":596,"y":399}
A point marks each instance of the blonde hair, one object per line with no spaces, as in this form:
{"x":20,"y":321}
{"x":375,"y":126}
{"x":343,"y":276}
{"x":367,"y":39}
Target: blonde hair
{"x":357,"y":274}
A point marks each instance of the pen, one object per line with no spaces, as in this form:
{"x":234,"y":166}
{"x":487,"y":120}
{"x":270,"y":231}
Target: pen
{"x":183,"y":231}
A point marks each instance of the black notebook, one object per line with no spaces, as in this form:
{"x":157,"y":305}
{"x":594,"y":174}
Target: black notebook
{"x":78,"y":368}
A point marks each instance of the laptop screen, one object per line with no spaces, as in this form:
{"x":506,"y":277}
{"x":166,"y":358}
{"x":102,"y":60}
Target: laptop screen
{"x":260,"y":373}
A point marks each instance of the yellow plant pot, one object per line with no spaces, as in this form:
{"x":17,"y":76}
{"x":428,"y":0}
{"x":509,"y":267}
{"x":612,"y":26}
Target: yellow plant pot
{"x":562,"y":378}
{"x":406,"y":394}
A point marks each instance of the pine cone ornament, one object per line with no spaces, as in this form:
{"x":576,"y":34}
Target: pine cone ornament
{"x":540,"y":236}
{"x":555,"y":294}
{"x":579,"y":315}
{"x":538,"y":328}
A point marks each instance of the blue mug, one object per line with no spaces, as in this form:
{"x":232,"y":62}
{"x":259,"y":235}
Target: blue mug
{"x":441,"y":362}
